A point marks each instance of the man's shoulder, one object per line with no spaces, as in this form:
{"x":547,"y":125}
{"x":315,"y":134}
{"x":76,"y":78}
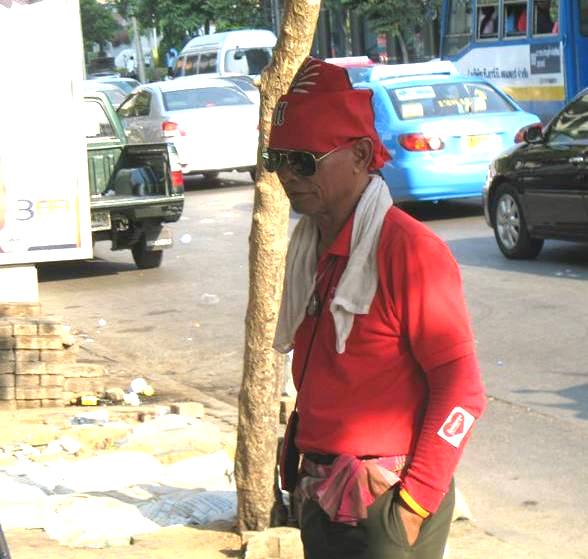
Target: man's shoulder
{"x":398,"y":225}
{"x":403,"y":237}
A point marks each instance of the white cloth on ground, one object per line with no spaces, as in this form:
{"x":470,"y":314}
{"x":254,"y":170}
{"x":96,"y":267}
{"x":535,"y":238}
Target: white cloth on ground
{"x":358,"y":284}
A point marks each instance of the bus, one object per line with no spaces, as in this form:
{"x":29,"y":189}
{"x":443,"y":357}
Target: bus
{"x":534,"y":50}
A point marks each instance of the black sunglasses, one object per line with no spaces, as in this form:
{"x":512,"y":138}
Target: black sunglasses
{"x":303,"y":163}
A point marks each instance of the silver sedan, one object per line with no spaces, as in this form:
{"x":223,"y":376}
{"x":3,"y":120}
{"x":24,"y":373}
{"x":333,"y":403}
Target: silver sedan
{"x":212,"y":123}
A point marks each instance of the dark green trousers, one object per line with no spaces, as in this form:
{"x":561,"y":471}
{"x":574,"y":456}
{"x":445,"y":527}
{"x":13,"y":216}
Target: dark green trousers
{"x":380,"y":536}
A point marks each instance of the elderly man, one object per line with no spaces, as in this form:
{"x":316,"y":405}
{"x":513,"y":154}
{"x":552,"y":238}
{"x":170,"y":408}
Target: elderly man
{"x":384,"y":363}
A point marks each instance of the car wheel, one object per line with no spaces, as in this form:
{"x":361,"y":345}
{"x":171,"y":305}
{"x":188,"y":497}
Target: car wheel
{"x":145,"y":259}
{"x":211,"y":175}
{"x":510,"y":228}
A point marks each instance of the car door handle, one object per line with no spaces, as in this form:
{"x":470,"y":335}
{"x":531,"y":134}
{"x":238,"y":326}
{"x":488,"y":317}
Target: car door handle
{"x":576,"y":160}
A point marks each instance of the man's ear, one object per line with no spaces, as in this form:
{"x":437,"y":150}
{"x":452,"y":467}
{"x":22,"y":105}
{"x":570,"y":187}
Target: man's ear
{"x":363,"y":151}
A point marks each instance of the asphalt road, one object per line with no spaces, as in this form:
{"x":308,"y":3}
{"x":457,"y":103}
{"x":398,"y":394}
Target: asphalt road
{"x":182,"y":326}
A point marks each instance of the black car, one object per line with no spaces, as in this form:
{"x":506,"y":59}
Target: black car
{"x":539,"y":189}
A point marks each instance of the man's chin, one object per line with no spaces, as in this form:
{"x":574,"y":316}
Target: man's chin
{"x":303,"y":204}
{"x":303,"y":209}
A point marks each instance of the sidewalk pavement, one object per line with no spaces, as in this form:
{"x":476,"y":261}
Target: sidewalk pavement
{"x":466,"y":541}
{"x":217,"y":541}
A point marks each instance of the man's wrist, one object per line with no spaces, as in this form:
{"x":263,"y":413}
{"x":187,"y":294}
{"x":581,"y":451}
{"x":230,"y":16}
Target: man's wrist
{"x":411,"y":504}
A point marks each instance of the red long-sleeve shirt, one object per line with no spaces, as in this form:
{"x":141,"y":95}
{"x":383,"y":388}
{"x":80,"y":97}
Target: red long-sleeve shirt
{"x":408,"y":381}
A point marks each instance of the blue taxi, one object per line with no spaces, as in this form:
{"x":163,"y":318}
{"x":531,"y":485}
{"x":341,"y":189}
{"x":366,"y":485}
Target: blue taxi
{"x":442,"y":131}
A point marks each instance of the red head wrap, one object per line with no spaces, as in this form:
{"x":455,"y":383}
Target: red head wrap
{"x":322,"y":111}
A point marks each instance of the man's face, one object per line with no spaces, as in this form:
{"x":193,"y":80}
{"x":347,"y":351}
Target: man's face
{"x":322,"y":192}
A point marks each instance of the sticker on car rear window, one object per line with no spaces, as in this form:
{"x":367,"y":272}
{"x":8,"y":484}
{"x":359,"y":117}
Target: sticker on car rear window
{"x":415,"y":93}
{"x":412,"y":110}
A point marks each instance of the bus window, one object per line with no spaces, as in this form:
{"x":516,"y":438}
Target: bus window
{"x":459,"y":30}
{"x":584,"y":17}
{"x":545,"y":17}
{"x":487,"y":19}
{"x":515,"y":18}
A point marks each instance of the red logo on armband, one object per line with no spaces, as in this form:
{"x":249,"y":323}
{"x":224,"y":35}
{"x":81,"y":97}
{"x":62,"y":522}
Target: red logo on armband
{"x":456,"y":426}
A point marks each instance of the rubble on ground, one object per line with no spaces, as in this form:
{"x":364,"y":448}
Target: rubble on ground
{"x":100,"y":477}
{"x":104,"y":476}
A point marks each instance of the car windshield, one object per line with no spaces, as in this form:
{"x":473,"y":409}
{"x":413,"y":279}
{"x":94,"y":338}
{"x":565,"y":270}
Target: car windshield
{"x":446,"y":99}
{"x":203,"y":97}
{"x":248,"y":61}
{"x":571,"y":126}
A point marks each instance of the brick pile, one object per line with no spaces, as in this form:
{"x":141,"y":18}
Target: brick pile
{"x":39,"y":364}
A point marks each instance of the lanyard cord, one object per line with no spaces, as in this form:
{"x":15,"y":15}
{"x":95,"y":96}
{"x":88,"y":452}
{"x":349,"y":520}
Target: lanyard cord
{"x":332,"y":267}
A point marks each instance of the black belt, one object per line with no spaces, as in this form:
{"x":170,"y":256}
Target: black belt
{"x":328,"y":459}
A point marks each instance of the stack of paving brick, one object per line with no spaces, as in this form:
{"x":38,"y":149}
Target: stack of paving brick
{"x":38,"y":361}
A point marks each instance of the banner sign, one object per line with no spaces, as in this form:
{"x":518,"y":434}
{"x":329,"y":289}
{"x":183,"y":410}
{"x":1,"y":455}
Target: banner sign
{"x":44,"y":192}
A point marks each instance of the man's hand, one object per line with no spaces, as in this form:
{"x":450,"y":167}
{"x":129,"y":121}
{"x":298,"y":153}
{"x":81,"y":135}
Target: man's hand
{"x":411,"y":520}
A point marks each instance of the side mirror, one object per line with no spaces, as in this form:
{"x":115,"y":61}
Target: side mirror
{"x":534,"y":134}
{"x":530,"y":134}
{"x":239,"y":54}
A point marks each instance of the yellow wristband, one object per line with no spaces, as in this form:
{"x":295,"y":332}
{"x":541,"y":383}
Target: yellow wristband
{"x":405,"y":496}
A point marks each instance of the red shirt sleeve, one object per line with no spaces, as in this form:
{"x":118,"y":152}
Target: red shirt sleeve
{"x":456,"y":400}
{"x":427,"y":294}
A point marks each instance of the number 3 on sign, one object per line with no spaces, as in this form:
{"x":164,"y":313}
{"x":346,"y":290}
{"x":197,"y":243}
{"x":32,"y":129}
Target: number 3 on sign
{"x":25,"y":210}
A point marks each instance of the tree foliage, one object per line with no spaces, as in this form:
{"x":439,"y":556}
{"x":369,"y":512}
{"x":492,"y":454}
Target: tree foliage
{"x":238,"y":14}
{"x":179,"y":20}
{"x":98,"y":23}
{"x":393,"y":16}
{"x":397,"y":18}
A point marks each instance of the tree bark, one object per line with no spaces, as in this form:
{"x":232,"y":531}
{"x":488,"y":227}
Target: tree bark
{"x":403,"y":48}
{"x":263,"y":368}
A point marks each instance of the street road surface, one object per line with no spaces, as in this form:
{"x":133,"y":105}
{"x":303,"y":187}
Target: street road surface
{"x":182,"y":326}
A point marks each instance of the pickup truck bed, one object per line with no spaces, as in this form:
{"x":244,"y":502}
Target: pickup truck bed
{"x":134,"y":189}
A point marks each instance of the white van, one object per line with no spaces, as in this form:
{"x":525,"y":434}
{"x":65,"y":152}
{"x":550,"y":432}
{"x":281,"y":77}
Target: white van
{"x":246,"y":51}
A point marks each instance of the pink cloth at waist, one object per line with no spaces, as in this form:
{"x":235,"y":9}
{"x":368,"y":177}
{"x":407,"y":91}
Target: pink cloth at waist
{"x":348,"y":486}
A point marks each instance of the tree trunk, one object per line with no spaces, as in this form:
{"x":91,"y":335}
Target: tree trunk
{"x":260,"y":389}
{"x":403,"y":48}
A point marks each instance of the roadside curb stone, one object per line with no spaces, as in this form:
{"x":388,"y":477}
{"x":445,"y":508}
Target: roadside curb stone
{"x":273,"y":543}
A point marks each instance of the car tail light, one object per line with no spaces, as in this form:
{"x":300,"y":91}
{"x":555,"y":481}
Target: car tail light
{"x":177,"y":180}
{"x":176,"y":175}
{"x":520,"y":135}
{"x":171,"y":129}
{"x":420,"y":142}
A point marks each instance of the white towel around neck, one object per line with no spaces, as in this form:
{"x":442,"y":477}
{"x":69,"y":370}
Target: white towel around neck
{"x":358,"y":284}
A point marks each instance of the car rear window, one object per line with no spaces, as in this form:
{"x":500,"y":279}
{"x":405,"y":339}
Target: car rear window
{"x":126,"y":85}
{"x":116,"y":97}
{"x":243,"y":83}
{"x":359,"y":73}
{"x":203,"y":97}
{"x":446,"y":99}
{"x":248,"y":60}
{"x":96,"y":121}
